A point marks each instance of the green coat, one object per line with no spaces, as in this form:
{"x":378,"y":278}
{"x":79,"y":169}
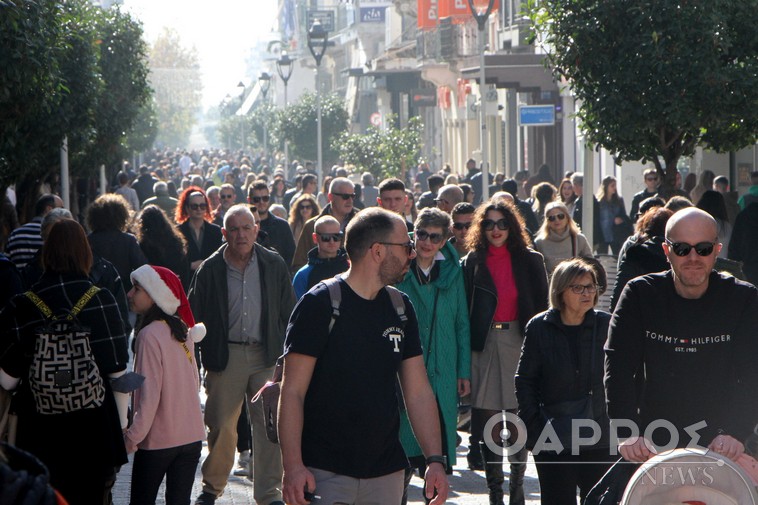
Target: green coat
{"x":450,"y":358}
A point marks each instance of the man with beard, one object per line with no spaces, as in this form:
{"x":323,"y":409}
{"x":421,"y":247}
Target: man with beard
{"x":339,"y":419}
{"x":278,"y":230}
{"x":681,"y":350}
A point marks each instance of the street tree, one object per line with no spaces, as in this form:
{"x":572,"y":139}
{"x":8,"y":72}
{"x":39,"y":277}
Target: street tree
{"x":176,"y":81}
{"x":384,"y":152}
{"x":656,"y":78}
{"x":297,"y":124}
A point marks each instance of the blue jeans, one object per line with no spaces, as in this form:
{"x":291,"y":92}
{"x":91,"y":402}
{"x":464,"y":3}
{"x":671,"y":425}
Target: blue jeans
{"x":177,"y":464}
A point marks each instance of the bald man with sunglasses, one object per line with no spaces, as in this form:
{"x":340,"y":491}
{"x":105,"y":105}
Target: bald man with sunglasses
{"x":681,"y":350}
{"x":325,"y":260}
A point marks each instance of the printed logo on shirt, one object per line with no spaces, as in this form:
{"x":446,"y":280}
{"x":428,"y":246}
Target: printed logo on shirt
{"x":395,"y":335}
{"x":689,"y":344}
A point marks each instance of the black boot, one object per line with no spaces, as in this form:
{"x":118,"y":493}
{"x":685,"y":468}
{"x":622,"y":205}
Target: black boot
{"x":493,"y":471}
{"x":516,"y":479}
{"x":474,"y":456}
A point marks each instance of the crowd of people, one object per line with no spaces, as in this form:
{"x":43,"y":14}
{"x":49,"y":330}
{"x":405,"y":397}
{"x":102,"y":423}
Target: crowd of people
{"x":218,"y":268}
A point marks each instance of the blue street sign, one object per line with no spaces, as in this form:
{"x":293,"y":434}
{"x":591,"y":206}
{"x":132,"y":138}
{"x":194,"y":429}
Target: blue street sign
{"x":372,"y":14}
{"x":536,"y":115}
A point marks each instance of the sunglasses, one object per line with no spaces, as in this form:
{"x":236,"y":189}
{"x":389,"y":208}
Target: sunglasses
{"x":683,"y":248}
{"x":226,"y":197}
{"x":345,"y":196}
{"x":651,"y":178}
{"x":489,"y":224}
{"x":330,"y":237}
{"x":436,"y":238}
{"x":579,"y":289}
{"x":559,"y":217}
{"x":409,"y":246}
{"x":306,"y":207}
{"x":198,"y":206}
{"x":259,"y":199}
{"x":462,"y":226}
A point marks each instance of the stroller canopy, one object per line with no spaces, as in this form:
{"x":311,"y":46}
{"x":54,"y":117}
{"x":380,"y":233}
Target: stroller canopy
{"x":686,"y":476}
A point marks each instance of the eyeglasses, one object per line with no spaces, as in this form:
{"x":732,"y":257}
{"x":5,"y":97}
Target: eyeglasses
{"x":345,"y":196}
{"x":579,"y":289}
{"x":489,"y":224}
{"x":226,"y":197}
{"x":333,"y":237}
{"x":259,"y":199}
{"x":559,"y":217}
{"x":683,"y":248}
{"x":436,"y":238}
{"x":462,"y":226}
{"x":198,"y":206}
{"x":409,"y":246}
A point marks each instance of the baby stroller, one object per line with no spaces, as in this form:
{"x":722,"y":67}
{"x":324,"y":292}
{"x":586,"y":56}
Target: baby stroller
{"x":693,"y":477}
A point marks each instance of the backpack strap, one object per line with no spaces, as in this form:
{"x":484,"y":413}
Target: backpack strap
{"x":335,"y":296}
{"x":397,"y":301}
{"x":84,"y":300}
{"x":36,"y":300}
{"x":78,"y":306}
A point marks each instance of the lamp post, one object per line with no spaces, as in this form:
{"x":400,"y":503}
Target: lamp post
{"x":265,"y":82}
{"x":318,"y":39}
{"x":481,"y":15}
{"x":242,"y":116}
{"x":284,"y":68}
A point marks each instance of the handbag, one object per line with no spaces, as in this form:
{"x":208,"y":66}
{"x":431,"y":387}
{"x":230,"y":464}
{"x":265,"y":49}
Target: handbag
{"x":560,"y":415}
{"x":623,"y":231}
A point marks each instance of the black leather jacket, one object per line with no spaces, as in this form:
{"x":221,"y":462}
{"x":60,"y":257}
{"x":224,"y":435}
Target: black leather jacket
{"x":481,"y":293}
{"x":549,"y":374}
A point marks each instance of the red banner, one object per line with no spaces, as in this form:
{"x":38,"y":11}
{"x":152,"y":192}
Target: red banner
{"x":459,"y":9}
{"x":428,"y":14}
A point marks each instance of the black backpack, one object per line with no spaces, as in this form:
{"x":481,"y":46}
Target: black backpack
{"x":269,"y":393}
{"x":63,"y":376}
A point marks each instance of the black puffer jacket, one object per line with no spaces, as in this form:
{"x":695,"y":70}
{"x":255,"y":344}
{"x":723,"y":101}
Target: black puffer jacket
{"x":645,"y":257}
{"x":531,"y":282}
{"x":548,"y":372}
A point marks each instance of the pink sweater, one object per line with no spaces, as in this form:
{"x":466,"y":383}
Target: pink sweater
{"x":167,"y":406}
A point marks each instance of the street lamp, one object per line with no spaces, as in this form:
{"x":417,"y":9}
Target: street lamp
{"x":318,"y":39}
{"x":481,"y":15}
{"x":242,"y":116}
{"x":284,"y":68}
{"x":265,"y":82}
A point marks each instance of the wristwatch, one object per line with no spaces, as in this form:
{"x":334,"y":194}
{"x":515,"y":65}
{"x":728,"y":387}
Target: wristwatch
{"x":442,"y":460}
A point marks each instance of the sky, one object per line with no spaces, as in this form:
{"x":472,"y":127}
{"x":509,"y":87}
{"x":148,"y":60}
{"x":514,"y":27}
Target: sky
{"x":223,"y":31}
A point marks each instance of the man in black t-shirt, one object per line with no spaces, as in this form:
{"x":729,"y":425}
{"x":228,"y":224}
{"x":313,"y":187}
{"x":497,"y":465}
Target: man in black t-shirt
{"x":338,"y":414}
{"x":681,"y":349}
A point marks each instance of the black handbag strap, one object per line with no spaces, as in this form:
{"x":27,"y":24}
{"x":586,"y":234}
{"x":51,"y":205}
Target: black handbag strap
{"x":431,"y":328}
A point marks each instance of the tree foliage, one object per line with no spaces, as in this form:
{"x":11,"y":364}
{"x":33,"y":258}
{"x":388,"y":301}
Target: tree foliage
{"x":656,"y":78}
{"x":297,"y":125}
{"x":69,"y":69}
{"x":384,"y":153}
{"x":175,"y":78}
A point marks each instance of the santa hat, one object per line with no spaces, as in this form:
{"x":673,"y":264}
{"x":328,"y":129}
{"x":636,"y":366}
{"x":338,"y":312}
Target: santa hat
{"x":166,"y":290}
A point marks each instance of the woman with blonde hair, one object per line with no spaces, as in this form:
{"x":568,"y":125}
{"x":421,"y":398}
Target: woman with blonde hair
{"x":567,"y":196}
{"x":302,"y":209}
{"x":559,"y":237}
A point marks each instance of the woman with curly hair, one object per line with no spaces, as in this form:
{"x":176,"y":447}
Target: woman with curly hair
{"x":193,"y":214}
{"x":301,"y":210}
{"x":506,"y":285}
{"x":161,"y":242}
{"x":107,"y":219}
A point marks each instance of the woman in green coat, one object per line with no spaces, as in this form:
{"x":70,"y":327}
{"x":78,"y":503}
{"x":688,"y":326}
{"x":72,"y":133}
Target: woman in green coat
{"x":434,"y":284}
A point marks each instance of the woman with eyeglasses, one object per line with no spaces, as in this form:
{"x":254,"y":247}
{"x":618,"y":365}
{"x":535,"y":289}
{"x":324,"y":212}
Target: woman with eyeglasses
{"x":193,"y":215}
{"x":506,"y":285}
{"x":302,"y":209}
{"x":560,"y":379}
{"x":559,"y":238}
{"x":434,"y":284}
